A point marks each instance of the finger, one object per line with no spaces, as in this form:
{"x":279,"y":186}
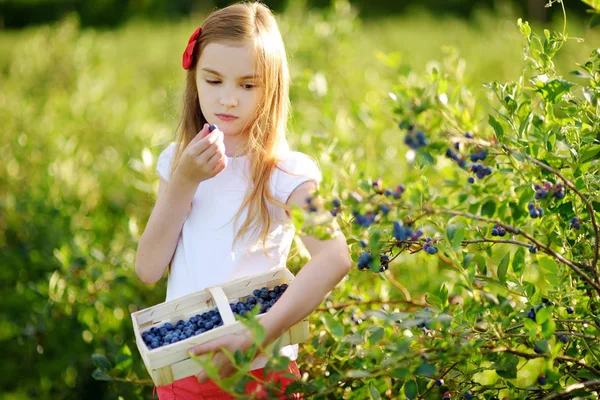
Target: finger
{"x":202,"y":378}
{"x":204,"y":347}
{"x":200,"y":135}
{"x":216,"y":159}
{"x":205,"y":143}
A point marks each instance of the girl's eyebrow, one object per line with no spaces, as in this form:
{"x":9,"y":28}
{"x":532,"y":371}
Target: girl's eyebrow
{"x":212,"y":71}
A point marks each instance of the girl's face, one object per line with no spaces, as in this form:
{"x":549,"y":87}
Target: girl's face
{"x":226,"y":86}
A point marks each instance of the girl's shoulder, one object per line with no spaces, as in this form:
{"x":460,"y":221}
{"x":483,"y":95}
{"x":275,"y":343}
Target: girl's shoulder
{"x":293,"y":169}
{"x":298,"y":163}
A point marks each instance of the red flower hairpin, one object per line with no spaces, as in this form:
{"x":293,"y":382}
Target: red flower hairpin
{"x":188,"y":54}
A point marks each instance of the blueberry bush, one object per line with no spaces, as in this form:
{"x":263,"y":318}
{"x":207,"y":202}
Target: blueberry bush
{"x":471,"y":211}
{"x":514,"y":228}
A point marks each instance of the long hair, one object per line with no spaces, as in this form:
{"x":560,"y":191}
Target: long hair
{"x":241,"y":23}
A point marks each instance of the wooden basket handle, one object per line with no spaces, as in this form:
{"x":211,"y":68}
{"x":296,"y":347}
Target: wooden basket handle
{"x":222,"y":304}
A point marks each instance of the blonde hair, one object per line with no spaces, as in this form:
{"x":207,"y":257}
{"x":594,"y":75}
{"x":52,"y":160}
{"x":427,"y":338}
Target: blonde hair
{"x":247,"y":22}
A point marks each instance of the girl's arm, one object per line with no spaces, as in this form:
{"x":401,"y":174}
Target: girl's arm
{"x":330,"y":262}
{"x":159,"y":240}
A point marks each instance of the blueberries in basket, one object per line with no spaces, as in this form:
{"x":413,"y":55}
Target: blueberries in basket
{"x":168,"y":333}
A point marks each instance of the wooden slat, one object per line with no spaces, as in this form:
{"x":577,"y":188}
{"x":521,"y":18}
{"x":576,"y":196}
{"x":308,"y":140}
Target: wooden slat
{"x":222,"y":305}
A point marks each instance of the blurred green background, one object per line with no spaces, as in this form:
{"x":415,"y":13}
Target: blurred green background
{"x":89,"y":99}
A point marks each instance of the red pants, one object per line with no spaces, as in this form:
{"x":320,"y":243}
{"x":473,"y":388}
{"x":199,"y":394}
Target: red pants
{"x":190,"y":389}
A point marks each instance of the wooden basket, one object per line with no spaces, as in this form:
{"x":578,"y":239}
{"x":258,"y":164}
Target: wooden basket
{"x":172,"y":362}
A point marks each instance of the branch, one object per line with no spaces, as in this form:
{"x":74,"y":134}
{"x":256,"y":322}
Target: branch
{"x":518,"y":231}
{"x":531,"y":356}
{"x":575,"y":386}
{"x":441,"y":377}
{"x":372,"y":302}
{"x":571,"y":186}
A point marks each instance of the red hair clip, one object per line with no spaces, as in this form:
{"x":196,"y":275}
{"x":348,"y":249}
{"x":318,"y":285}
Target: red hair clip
{"x":188,"y":54}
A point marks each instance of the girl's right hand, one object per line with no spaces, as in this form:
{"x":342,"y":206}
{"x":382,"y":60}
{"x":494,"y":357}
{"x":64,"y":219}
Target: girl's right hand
{"x":204,"y":157}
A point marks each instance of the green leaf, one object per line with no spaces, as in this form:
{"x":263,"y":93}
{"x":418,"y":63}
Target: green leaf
{"x":548,"y":328}
{"x":497,"y":127}
{"x":549,"y":265}
{"x":595,"y":21}
{"x":100,"y":375}
{"x":488,"y":208}
{"x":455,"y":234}
{"x":554,"y":90}
{"x":101,"y":362}
{"x":543,"y":315}
{"x":425,"y":370}
{"x":503,"y":267}
{"x":410,"y":389}
{"x":376,"y":335}
{"x":401,"y":373}
{"x":374,"y":392}
{"x":518,"y":263}
{"x":506,"y":366}
{"x":336,"y":328}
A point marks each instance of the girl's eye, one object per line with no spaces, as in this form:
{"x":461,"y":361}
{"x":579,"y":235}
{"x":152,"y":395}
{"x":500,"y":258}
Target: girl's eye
{"x":246,"y":86}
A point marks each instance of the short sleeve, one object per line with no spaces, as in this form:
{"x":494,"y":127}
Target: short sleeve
{"x":296,"y":168}
{"x":165,"y":160}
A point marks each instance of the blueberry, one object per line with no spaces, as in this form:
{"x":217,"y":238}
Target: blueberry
{"x":421,"y":138}
{"x":251,"y":300}
{"x":283,"y":287}
{"x":439,"y":382}
{"x":468,"y":395}
{"x":531,"y":314}
{"x":471,"y":179}
{"x":469,"y":135}
{"x":432,"y":250}
{"x":212,"y":128}
{"x":336,"y":203}
{"x":570,"y":310}
{"x":563,"y":338}
{"x":474,"y":157}
{"x":575,"y":223}
{"x":542,"y":379}
{"x":559,"y":195}
{"x":256,"y":292}
{"x":364,"y":260}
{"x":501,"y":232}
{"x":545,"y":300}
{"x":495,"y":232}
{"x":169,"y":326}
{"x":530,"y":206}
{"x":533,"y":213}
{"x":538,"y":350}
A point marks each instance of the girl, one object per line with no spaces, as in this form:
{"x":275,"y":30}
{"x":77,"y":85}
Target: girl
{"x":231,"y":163}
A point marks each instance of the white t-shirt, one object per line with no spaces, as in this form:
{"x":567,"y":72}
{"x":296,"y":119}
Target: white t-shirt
{"x":204,"y":257}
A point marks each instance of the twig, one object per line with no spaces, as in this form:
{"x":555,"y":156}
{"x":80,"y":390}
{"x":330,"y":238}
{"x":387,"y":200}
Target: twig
{"x":518,"y":231}
{"x":441,"y":377}
{"x":570,"y":388}
{"x":399,"y":286}
{"x":531,"y":356}
{"x":372,"y":302}
{"x":571,"y":186}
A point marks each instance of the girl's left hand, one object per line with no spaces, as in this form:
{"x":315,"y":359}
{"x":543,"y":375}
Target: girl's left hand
{"x":232,"y":342}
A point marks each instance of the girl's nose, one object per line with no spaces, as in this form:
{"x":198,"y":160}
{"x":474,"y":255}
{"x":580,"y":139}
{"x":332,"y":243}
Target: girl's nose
{"x":228,"y":99}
